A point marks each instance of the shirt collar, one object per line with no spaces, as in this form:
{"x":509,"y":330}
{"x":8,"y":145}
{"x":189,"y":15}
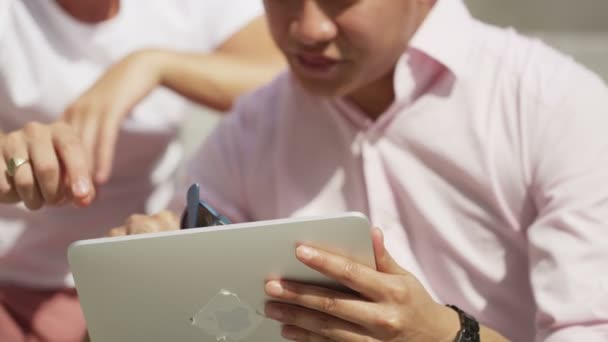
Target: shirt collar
{"x":443,"y":40}
{"x":446,"y":35}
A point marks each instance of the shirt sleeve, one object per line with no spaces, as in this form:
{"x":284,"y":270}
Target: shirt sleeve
{"x":568,"y":242}
{"x":224,"y":18}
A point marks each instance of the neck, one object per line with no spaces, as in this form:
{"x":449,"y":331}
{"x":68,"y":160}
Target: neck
{"x":375,"y":98}
{"x":90,"y":11}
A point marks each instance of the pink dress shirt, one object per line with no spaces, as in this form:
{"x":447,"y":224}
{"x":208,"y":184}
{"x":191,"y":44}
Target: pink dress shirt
{"x":488,"y":174}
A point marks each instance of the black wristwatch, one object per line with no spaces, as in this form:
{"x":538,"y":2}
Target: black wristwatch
{"x":469,"y":328}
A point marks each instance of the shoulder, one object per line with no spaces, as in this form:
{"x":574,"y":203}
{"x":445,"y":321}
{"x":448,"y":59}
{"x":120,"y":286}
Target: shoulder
{"x":531,"y":68}
{"x":260,"y":118}
{"x":264,"y":106}
{"x":255,"y":115}
{"x":5,"y":13}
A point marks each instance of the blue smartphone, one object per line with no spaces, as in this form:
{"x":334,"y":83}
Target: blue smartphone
{"x":199,"y":213}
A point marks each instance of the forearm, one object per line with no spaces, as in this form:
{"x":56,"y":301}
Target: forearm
{"x":215,"y":79}
{"x":488,"y":335}
{"x":242,"y":62}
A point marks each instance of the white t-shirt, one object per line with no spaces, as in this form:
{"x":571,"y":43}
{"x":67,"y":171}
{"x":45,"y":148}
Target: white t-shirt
{"x":47,"y":59}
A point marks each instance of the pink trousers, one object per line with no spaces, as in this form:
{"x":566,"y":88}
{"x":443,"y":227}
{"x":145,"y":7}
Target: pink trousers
{"x":32,"y":315}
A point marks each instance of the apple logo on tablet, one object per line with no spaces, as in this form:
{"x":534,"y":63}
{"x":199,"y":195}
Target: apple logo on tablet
{"x":225,"y":316}
{"x":233,"y":320}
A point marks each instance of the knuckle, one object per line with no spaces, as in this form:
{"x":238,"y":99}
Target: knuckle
{"x":32,"y":127}
{"x":65,"y":134}
{"x":389,"y":325}
{"x":151,"y":226}
{"x":167,"y":220}
{"x":142,"y":224}
{"x":62,"y":126}
{"x":329,"y":304}
{"x":350,"y":271}
{"x":398,"y":293}
{"x":78,"y":107}
{"x":135,"y":219}
{"x":14,"y":138}
{"x":117,"y":231}
{"x":173,"y":218}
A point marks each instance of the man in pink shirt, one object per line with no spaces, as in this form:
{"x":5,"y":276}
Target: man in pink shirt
{"x":482,"y":155}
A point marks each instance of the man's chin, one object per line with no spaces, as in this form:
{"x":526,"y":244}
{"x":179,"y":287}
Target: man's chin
{"x":324,"y":88}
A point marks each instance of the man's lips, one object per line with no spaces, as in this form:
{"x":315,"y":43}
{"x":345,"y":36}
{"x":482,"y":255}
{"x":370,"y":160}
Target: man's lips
{"x":316,"y":61}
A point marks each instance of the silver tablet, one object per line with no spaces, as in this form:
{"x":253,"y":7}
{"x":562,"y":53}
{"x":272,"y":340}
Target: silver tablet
{"x":203,"y":284}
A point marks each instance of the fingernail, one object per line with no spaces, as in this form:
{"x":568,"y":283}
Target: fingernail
{"x":274,"y":288}
{"x":288,"y":333}
{"x":273,"y":312}
{"x":82,"y":187}
{"x":100,"y":177}
{"x":306,"y":253}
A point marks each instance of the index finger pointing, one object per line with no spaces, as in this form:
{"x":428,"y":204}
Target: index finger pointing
{"x":73,"y":159}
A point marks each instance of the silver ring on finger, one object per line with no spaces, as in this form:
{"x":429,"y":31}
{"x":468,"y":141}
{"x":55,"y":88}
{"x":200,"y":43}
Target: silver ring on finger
{"x":13,"y":164}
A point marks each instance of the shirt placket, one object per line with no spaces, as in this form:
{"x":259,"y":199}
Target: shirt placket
{"x":382,"y":208}
{"x":383,"y":211}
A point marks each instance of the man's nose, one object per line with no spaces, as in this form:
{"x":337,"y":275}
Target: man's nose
{"x":312,"y":26}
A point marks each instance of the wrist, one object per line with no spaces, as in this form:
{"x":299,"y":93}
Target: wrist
{"x":448,"y":323}
{"x":469,"y":327}
{"x":166,"y":64}
{"x":154,"y":61}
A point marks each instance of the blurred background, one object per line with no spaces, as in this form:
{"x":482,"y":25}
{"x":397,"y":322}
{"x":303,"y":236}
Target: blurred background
{"x":579,"y":28}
